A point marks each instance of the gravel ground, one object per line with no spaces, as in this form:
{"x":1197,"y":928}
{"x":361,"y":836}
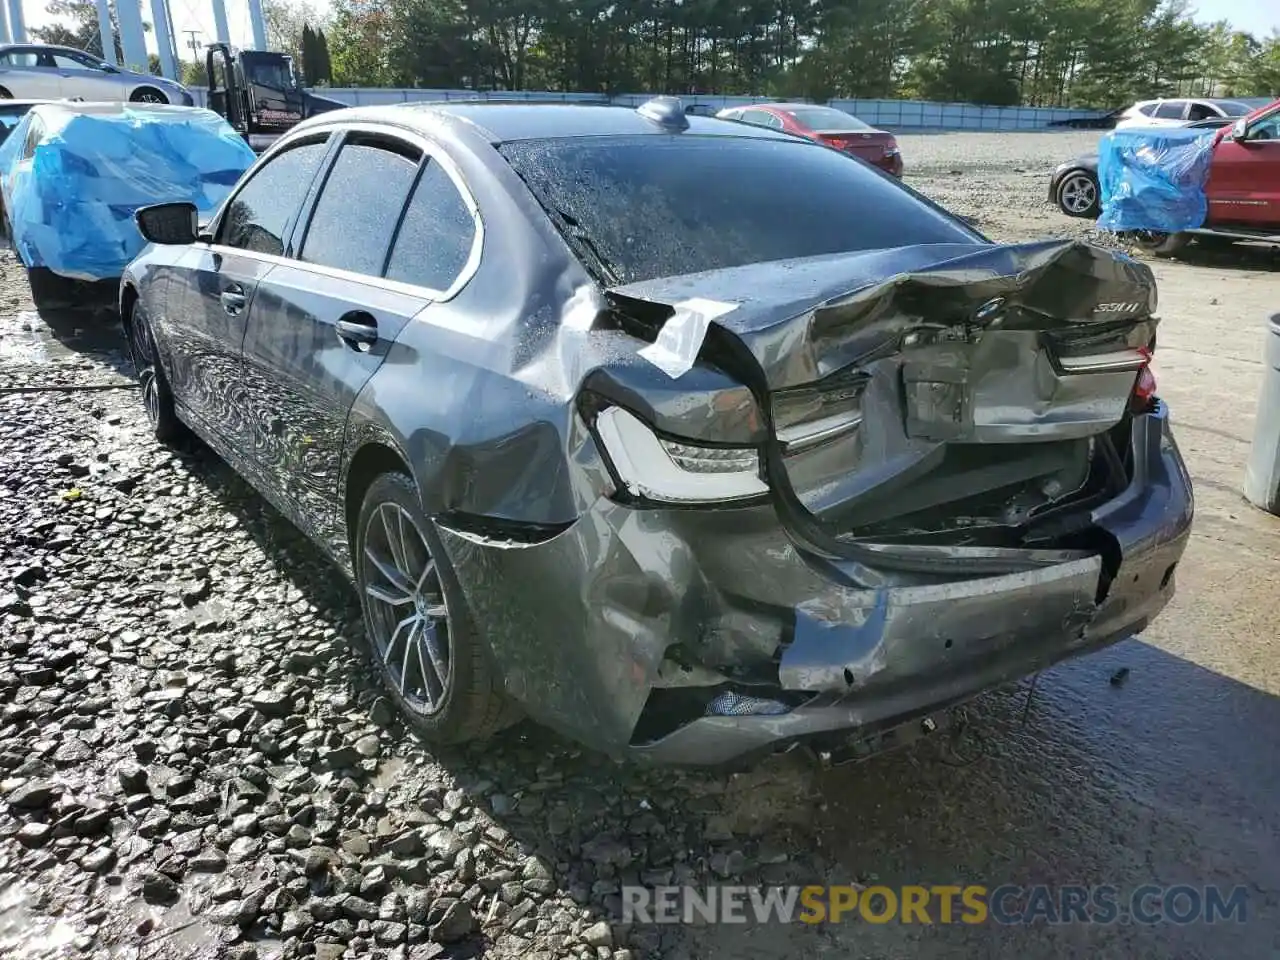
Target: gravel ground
{"x":1000,"y":181}
{"x":195,"y":762}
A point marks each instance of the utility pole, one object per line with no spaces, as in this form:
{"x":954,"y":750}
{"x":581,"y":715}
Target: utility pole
{"x":193,"y":43}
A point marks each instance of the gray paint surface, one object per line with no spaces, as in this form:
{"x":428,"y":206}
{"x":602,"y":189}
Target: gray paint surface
{"x":580,"y":596}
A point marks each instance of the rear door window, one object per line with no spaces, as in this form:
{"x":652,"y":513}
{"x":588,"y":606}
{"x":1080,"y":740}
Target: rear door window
{"x":760,"y":118}
{"x":66,"y":61}
{"x":1171,"y":109}
{"x":262,"y":211}
{"x":360,"y":205}
{"x":436,"y":237}
{"x":640,"y":207}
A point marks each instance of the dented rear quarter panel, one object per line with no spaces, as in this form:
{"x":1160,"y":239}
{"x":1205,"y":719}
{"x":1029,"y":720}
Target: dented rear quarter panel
{"x":580,"y":594}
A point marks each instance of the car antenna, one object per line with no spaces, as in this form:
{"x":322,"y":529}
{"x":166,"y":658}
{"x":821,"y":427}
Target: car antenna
{"x":667,"y":112}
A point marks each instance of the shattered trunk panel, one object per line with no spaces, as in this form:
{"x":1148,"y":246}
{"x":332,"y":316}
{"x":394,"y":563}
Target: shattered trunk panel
{"x":905,"y":379}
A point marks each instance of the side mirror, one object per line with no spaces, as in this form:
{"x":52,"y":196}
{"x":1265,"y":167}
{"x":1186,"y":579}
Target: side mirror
{"x":1240,"y":129}
{"x":108,"y":68}
{"x":168,"y":223}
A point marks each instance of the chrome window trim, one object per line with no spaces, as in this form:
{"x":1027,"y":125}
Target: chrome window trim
{"x":431,"y":151}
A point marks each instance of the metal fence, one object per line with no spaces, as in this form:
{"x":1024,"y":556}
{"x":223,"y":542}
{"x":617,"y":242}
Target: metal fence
{"x":902,"y":115}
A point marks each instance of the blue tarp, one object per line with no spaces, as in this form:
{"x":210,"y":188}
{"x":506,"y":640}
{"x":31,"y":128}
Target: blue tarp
{"x":71,"y":201}
{"x":1153,"y":178}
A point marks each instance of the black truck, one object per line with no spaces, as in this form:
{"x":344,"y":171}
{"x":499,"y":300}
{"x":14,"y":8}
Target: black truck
{"x":259,"y":93}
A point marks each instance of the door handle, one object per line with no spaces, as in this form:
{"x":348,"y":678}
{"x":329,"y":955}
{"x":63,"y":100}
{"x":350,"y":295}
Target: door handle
{"x":233,"y":299}
{"x":357,"y":330}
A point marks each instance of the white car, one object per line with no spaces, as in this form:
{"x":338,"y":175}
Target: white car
{"x":39,"y":71}
{"x":1179,"y":113}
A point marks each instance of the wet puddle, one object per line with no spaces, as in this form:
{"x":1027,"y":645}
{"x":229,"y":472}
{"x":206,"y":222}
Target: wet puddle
{"x":28,"y":338}
{"x":24,"y":935}
{"x":390,"y":772}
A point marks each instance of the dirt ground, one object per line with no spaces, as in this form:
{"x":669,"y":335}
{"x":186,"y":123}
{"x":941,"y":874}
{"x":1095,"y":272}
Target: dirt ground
{"x":165,"y":639}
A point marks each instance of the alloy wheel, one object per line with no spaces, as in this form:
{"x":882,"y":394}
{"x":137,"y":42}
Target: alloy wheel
{"x":409,"y":618}
{"x":144,"y":355}
{"x":149,"y":97}
{"x":1078,"y":194}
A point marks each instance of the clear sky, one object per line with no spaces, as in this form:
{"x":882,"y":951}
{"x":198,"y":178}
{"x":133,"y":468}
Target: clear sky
{"x":1260,"y":17}
{"x":187,"y":15}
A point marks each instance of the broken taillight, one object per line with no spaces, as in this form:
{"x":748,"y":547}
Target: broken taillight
{"x":1144,"y":387}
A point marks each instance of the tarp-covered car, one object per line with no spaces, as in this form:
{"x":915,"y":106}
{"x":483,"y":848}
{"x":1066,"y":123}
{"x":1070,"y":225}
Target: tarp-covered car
{"x":73,"y":174}
{"x":1167,"y":187}
{"x":1152,"y":178}
{"x":692,"y":438}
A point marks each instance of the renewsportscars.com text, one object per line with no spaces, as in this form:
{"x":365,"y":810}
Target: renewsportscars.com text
{"x":939,"y":903}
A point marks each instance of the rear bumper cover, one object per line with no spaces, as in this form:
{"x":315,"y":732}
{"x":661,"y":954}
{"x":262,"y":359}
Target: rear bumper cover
{"x":891,"y":164}
{"x":580,"y":623}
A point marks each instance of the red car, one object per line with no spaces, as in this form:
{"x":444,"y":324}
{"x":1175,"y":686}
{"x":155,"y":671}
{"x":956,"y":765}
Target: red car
{"x":1243,"y":188}
{"x":826,"y":125}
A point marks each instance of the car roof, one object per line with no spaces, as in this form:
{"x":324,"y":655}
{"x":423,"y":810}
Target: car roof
{"x":506,"y":121}
{"x":19,"y":47}
{"x":782,"y":105}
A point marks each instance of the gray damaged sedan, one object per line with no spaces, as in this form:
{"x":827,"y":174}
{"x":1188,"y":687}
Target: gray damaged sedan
{"x":689,"y":439}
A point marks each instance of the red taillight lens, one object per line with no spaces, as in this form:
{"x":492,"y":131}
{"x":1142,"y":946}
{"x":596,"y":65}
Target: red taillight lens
{"x":1144,"y":388}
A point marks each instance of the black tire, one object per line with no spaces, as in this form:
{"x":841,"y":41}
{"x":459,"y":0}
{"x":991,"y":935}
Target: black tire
{"x":1161,"y":244}
{"x":157,"y":398}
{"x":1210,"y":242}
{"x":1077,"y":194}
{"x":468,"y":702}
{"x":147,"y":95}
{"x":49,"y":291}
{"x":5,"y":94}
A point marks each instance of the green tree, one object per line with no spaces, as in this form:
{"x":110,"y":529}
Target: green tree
{"x":80,"y":29}
{"x":1103,"y":53}
{"x":309,"y":56}
{"x":324,"y":66}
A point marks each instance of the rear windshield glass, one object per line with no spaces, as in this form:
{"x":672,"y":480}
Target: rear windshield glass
{"x":826,"y":118}
{"x":642,"y":207}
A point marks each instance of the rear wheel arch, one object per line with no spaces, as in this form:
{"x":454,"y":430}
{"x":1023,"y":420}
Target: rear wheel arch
{"x":147,"y":94}
{"x":128,"y":299}
{"x":370,"y":461}
{"x":1074,"y":174}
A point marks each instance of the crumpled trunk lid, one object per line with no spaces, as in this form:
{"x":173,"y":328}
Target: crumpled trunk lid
{"x":904,"y":380}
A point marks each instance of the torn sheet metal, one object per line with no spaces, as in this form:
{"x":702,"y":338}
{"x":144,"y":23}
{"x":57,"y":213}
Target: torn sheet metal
{"x":680,"y":340}
{"x":581,"y":622}
{"x":490,"y":398}
{"x":804,"y":319}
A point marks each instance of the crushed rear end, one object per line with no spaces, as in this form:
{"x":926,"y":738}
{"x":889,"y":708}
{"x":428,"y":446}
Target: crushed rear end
{"x":869,"y":486}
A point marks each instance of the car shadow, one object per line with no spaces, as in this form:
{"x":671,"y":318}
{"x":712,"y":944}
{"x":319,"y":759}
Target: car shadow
{"x":1122,"y":768}
{"x":1232,"y":256}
